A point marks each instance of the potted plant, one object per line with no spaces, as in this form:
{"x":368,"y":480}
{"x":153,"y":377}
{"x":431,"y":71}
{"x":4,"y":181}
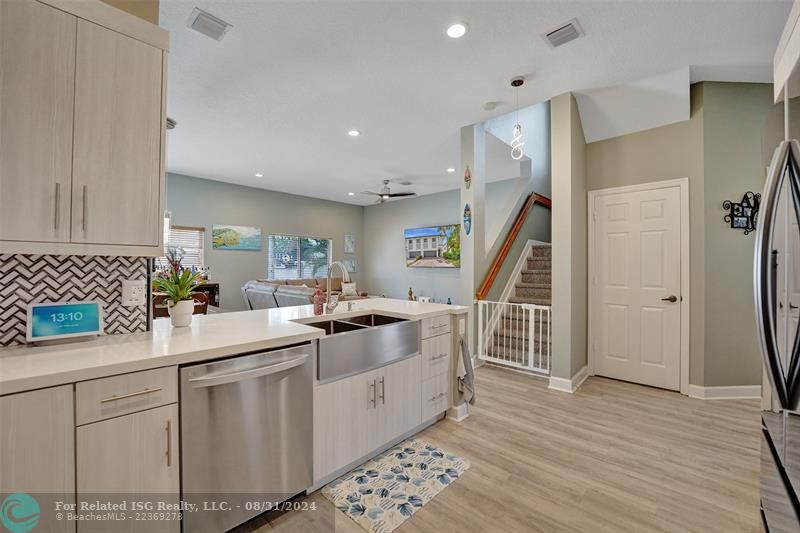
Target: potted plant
{"x":178,"y":284}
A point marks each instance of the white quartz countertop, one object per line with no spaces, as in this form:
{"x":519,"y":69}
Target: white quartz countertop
{"x":209,"y":337}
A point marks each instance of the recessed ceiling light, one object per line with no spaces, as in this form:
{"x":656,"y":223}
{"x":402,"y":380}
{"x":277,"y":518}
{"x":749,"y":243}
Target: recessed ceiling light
{"x":354,"y":133}
{"x":451,"y":170}
{"x":385,"y":196}
{"x":351,"y":194}
{"x":457,"y":30}
{"x":259,"y":175}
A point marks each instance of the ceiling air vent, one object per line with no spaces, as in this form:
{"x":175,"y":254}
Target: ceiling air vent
{"x":207,"y":24}
{"x":563,"y":34}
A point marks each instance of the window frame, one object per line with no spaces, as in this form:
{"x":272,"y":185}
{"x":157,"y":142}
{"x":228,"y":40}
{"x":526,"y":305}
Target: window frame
{"x":298,"y":256}
{"x":161,"y":261}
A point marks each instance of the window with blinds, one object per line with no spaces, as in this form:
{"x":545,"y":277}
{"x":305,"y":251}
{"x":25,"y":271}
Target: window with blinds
{"x":293,"y":257}
{"x":190,"y":241}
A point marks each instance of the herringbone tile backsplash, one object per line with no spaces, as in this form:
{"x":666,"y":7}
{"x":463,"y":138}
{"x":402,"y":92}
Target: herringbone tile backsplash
{"x":56,"y":278}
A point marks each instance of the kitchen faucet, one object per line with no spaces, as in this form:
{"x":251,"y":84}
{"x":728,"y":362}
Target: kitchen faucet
{"x":331,"y":305}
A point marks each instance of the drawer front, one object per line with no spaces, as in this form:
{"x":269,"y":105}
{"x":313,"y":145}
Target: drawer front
{"x":435,"y":356}
{"x":103,"y":398}
{"x":435,"y":396}
{"x":437,"y":325}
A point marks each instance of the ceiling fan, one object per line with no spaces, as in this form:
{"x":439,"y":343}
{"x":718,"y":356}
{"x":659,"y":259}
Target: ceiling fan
{"x":387,"y":194}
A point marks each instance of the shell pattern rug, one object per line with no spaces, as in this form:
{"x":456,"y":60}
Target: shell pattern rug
{"x":384,"y":492}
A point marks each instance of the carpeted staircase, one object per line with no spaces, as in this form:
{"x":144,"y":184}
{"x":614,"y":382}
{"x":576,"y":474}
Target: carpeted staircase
{"x":509,"y":340}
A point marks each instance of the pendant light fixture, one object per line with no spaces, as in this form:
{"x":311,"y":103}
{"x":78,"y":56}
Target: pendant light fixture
{"x":517,"y":143}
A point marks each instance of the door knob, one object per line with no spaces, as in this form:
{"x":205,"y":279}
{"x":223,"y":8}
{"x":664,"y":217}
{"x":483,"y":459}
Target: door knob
{"x":672,"y":299}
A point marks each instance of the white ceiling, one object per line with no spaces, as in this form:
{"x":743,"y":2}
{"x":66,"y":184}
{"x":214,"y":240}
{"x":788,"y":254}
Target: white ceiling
{"x":279,"y":93}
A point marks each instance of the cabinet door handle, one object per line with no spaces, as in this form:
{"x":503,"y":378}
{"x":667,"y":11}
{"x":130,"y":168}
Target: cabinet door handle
{"x":114,"y":398}
{"x":169,"y":442}
{"x":440,"y":356}
{"x":373,"y":387}
{"x":437,"y":396}
{"x":57,"y":209}
{"x":85,"y":205}
{"x":383,"y":391}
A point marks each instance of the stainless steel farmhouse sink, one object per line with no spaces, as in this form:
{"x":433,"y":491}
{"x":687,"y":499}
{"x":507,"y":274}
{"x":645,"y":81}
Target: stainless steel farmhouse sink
{"x":357,"y":344}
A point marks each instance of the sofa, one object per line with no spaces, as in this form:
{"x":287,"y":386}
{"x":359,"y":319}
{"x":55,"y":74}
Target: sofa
{"x":269,"y":293}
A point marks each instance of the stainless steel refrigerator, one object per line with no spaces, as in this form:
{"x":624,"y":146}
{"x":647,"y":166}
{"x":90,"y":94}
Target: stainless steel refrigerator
{"x":777,"y":300}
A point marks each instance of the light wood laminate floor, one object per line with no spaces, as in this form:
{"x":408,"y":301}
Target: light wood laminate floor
{"x":613,"y":457}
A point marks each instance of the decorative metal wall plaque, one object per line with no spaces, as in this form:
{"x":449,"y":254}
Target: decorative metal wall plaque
{"x":743,"y":215}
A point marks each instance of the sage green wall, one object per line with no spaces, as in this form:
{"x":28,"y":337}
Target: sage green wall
{"x":569,"y":248}
{"x":733,"y":121}
{"x":665,"y":153}
{"x":719,"y":151}
{"x":199,"y":202}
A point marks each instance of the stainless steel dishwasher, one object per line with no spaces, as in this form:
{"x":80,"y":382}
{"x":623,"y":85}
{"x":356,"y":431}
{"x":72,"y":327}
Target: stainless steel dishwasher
{"x":246,"y":435}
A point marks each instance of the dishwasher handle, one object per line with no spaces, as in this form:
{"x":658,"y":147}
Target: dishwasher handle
{"x":221,"y":379}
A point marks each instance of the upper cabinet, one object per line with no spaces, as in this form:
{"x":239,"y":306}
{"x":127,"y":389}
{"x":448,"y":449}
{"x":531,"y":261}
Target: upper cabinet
{"x":37,"y":79}
{"x":116,"y":182}
{"x":82,"y":129}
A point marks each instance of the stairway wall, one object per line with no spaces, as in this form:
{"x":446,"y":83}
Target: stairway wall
{"x":537,"y":228}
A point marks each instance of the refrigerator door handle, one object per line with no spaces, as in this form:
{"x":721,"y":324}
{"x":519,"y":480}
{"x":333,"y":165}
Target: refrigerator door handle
{"x":764,"y":282}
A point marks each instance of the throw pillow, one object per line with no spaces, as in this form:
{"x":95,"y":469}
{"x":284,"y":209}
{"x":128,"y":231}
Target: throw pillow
{"x":349,"y":289}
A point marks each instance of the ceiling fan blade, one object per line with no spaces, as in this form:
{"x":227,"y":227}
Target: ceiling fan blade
{"x":401,"y":194}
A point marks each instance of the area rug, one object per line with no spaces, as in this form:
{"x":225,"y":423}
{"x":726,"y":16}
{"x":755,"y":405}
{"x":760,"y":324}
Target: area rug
{"x":384,"y":492}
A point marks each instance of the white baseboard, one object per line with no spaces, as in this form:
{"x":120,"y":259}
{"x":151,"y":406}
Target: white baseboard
{"x":569,"y":385}
{"x":459,"y":412}
{"x":740,"y":392}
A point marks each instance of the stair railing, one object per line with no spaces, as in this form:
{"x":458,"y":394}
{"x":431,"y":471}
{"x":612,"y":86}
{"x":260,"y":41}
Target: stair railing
{"x":513,"y":233}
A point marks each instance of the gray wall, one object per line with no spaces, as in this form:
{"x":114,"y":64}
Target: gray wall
{"x":199,"y":202}
{"x":669,"y":152}
{"x":385,"y":270}
{"x":719,"y":150}
{"x":733,"y":120}
{"x":569,"y":237}
{"x":385,"y":267}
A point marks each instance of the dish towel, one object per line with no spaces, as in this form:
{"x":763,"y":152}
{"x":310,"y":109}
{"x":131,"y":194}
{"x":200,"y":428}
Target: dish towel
{"x":465,"y":374}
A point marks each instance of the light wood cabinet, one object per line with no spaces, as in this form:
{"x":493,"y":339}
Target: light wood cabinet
{"x":116,"y":182}
{"x":37,"y":450}
{"x":399,"y":390}
{"x":134,"y":456}
{"x":82,"y":129}
{"x":341,"y":428}
{"x":357,"y":415}
{"x":37,"y":54}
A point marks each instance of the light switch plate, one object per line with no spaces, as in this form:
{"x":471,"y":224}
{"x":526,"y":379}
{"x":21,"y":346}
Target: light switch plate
{"x":133,"y":294}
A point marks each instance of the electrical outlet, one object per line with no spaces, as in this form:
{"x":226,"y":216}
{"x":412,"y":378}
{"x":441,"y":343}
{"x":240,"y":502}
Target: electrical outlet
{"x":133,"y":294}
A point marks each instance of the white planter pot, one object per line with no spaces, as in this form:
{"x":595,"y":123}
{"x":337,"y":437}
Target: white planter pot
{"x":181,"y":313}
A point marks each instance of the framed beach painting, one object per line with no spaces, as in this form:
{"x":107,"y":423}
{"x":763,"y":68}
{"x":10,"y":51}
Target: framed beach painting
{"x":224,"y":237}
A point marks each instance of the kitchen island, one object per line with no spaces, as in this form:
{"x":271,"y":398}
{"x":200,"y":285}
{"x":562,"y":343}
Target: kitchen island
{"x":106,"y":416}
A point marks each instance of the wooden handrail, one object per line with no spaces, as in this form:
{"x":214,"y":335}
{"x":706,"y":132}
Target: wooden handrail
{"x":494,"y":270}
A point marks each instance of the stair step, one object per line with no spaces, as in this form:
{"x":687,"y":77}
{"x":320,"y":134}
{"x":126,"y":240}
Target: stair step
{"x":539,"y":264}
{"x":541,"y":251}
{"x":501,"y":339}
{"x":518,"y":356}
{"x":535,"y":301}
{"x":533,"y":290}
{"x":536,"y":276}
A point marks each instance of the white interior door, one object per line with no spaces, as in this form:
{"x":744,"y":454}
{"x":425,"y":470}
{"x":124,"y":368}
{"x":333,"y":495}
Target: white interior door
{"x":637,"y":284}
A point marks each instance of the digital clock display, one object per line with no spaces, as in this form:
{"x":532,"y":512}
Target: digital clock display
{"x":62,"y":320}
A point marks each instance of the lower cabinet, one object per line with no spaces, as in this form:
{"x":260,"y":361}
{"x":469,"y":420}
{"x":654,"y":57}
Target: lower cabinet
{"x":356,"y":415}
{"x":131,"y":458}
{"x":37,"y":451}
